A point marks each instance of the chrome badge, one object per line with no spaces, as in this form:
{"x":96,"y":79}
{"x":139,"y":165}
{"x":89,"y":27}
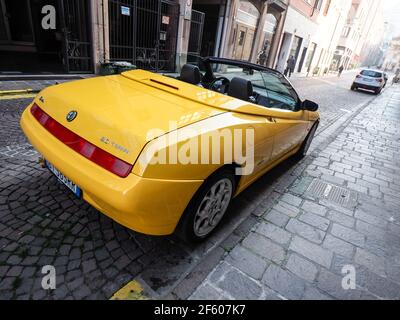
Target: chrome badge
{"x":71,"y":116}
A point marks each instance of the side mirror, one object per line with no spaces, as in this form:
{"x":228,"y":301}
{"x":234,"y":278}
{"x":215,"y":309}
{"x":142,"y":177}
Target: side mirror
{"x":309,"y":105}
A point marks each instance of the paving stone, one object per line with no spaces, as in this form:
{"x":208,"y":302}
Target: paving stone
{"x":301,"y":267}
{"x":240,"y":286}
{"x":315,"y":221}
{"x":305,"y":231}
{"x":315,"y":208}
{"x":287,"y":209}
{"x":264,"y":247}
{"x":89,"y":266}
{"x":339,"y":246}
{"x":291,"y":199}
{"x":248,"y":262}
{"x":277,"y":218}
{"x":341,"y":218}
{"x":372,"y":262}
{"x":348,"y":235}
{"x":273,"y":232}
{"x":311,"y":251}
{"x":370,"y":219}
{"x":284,"y":282}
{"x":14,"y":271}
{"x":206,"y":292}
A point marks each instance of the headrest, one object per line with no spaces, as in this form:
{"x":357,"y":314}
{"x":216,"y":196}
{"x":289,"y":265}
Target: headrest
{"x":190,"y":74}
{"x":240,"y":88}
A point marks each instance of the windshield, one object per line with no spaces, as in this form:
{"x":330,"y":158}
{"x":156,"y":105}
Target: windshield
{"x":370,"y":73}
{"x":272,"y":89}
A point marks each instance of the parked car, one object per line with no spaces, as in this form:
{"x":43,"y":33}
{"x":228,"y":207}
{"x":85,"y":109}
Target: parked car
{"x":101,"y":137}
{"x":369,"y":79}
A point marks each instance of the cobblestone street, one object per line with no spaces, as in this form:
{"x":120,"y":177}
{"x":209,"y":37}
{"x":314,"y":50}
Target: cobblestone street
{"x":286,"y":237}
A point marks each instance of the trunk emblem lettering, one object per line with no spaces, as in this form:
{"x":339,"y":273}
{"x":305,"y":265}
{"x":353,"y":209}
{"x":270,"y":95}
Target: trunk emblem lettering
{"x":116,"y":146}
{"x":71,"y":116}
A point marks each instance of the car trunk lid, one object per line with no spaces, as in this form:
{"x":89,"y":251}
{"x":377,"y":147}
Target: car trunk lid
{"x":119,"y":115}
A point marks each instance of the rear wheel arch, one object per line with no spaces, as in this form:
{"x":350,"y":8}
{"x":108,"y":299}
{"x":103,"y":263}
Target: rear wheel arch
{"x":185,"y":221}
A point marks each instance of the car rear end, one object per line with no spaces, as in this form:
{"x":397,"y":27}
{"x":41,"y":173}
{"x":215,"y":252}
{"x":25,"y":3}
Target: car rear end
{"x":369,"y":80}
{"x":90,"y":134}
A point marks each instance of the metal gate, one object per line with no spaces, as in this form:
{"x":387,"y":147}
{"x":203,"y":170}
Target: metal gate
{"x":144,"y":32}
{"x":196,"y":33}
{"x":77,"y":48}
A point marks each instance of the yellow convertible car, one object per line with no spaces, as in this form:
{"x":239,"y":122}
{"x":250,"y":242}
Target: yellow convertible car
{"x":161,"y":154}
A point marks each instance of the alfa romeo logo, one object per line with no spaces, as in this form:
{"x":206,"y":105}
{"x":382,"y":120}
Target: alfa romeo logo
{"x":71,"y":116}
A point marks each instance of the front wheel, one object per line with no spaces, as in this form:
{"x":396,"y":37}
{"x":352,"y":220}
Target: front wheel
{"x":307,"y":142}
{"x":207,"y":208}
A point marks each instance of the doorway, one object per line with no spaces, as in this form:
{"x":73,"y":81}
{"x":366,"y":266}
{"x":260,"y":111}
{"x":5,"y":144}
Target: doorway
{"x":144,"y":32}
{"x":26,"y":47}
{"x":244,"y":30}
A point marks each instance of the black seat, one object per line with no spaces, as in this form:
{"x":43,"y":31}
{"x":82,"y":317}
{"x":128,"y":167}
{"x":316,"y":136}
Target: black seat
{"x":240,"y":88}
{"x":190,"y":74}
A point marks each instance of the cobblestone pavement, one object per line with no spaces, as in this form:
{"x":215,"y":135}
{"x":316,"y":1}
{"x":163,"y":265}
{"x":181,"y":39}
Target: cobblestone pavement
{"x":29,"y":84}
{"x":41,"y":223}
{"x":343,"y":210}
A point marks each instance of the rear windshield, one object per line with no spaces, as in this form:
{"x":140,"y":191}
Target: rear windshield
{"x":372,"y":74}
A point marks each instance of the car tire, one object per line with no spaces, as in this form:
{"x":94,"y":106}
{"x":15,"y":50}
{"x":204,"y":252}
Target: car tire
{"x":378,"y":91}
{"x":196,"y":226}
{"x":307,"y":142}
{"x":353,"y":88}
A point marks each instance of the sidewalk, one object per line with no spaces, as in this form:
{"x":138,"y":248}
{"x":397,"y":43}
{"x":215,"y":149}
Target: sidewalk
{"x":342,"y":212}
{"x":331,"y":74}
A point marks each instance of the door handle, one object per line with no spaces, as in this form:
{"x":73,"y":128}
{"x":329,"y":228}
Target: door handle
{"x":271,"y":119}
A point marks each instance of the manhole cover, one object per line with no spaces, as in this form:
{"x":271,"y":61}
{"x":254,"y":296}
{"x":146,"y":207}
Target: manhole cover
{"x":332,"y":193}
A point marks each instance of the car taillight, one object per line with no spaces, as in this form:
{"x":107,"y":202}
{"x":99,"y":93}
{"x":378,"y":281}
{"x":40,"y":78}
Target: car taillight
{"x":379,"y":80}
{"x":82,"y":146}
{"x":358,"y":76}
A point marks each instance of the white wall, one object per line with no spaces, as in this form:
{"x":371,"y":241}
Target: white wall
{"x":296,"y":24}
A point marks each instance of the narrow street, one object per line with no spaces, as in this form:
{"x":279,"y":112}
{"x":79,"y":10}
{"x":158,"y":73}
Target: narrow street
{"x":280,"y":240}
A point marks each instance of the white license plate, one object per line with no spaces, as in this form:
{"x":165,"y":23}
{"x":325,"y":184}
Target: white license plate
{"x":63,"y":179}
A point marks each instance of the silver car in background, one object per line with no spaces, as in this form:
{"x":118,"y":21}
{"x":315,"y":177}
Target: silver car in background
{"x":369,"y":79}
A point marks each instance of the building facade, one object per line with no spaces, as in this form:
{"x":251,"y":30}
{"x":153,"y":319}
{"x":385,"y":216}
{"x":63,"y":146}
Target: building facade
{"x":300,"y":25}
{"x":392,"y":58}
{"x":152,"y":34}
{"x":360,"y":21}
{"x":331,"y":19}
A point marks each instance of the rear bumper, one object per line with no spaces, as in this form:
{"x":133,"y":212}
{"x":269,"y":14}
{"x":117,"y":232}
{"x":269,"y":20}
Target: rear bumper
{"x":150,"y":206}
{"x":366,"y":86}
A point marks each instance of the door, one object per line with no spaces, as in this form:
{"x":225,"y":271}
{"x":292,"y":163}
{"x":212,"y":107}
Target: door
{"x":75,"y":22}
{"x":196,"y":33}
{"x":303,"y":57}
{"x":289,"y":122}
{"x":16,"y":22}
{"x":248,"y":44}
{"x":239,"y":42}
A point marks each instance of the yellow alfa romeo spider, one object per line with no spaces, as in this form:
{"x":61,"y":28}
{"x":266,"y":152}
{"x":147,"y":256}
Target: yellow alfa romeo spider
{"x":161,"y":154}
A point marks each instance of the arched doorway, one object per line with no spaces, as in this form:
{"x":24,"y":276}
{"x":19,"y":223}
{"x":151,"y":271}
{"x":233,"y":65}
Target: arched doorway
{"x":244,"y":30}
